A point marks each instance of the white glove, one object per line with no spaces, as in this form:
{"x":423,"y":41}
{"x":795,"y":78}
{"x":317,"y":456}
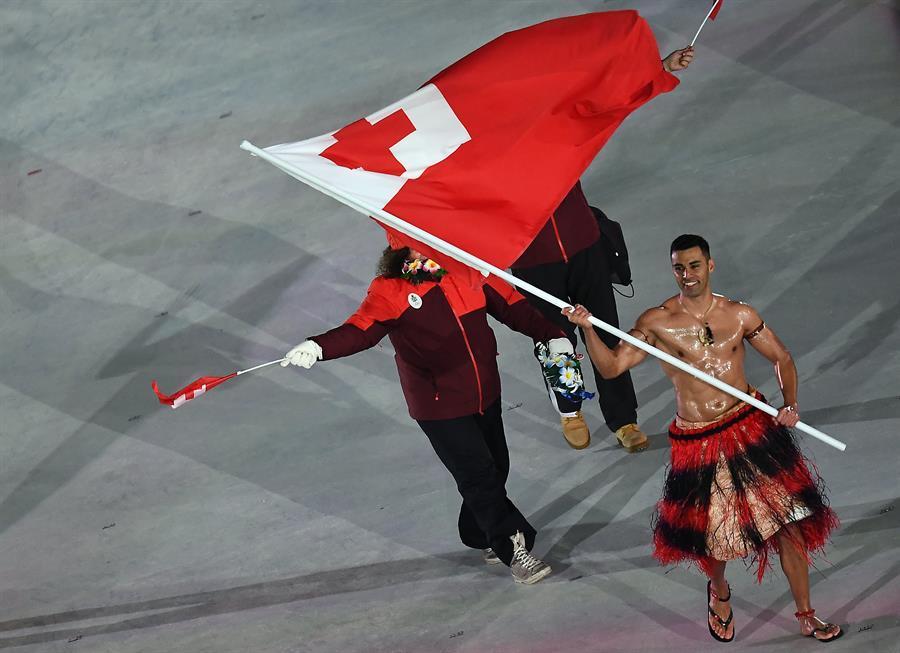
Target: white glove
{"x":304,"y":355}
{"x":560,"y":346}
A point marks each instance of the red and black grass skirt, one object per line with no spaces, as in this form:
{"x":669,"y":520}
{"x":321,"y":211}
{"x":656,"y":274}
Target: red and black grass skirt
{"x":731,"y":485}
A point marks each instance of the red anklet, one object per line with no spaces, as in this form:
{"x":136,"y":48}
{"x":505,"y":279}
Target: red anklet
{"x":804,"y":614}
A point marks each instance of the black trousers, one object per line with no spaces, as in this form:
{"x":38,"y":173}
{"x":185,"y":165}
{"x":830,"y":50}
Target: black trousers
{"x":473,"y":449}
{"x":585,"y":280}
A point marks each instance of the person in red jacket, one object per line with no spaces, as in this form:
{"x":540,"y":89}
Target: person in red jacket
{"x":446,"y":358}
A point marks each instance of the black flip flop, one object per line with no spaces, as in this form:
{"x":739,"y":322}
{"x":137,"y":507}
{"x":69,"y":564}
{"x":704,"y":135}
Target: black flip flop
{"x":723,"y":623}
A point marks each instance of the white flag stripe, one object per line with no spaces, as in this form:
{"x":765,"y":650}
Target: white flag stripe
{"x":438,"y":130}
{"x":183,"y":399}
{"x":438,"y":133}
{"x":375,"y":187}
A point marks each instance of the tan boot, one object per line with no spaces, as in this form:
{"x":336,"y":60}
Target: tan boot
{"x":576,"y":431}
{"x":632,"y":438}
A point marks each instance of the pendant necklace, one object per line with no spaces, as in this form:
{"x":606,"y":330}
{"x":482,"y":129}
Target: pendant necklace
{"x":705,"y":334}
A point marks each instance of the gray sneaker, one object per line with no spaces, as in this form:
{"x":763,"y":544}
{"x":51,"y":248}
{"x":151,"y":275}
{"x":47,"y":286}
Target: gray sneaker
{"x":525,"y":567}
{"x":490,"y":558}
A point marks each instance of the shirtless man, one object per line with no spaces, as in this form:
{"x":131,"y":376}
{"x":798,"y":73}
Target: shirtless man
{"x":737,"y":484}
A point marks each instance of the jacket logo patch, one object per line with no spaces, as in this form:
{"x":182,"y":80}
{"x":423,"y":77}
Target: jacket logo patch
{"x":414,"y":300}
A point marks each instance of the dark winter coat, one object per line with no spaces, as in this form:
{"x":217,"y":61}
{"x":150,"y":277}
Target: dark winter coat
{"x":571,"y":228}
{"x":446,"y":353}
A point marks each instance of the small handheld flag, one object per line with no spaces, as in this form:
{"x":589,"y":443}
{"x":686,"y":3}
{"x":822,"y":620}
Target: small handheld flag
{"x":190,"y":391}
{"x":200,"y":386}
{"x":711,"y":15}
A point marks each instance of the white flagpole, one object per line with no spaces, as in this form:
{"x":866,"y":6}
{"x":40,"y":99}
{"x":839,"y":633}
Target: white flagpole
{"x":708,"y":14}
{"x":486,"y":268}
{"x":259,"y":367}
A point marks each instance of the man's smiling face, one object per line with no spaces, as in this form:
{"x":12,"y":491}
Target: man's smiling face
{"x":691,"y":268}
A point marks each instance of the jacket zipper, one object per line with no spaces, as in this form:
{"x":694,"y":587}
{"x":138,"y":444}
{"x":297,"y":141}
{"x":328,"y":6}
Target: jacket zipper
{"x":558,"y":239}
{"x":471,"y":356}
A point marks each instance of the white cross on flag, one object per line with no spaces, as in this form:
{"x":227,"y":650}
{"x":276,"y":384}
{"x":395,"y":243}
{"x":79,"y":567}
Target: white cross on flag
{"x":482,"y":154}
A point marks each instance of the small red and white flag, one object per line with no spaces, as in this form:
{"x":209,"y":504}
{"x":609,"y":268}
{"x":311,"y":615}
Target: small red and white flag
{"x":202,"y":385}
{"x":190,"y":391}
{"x":483,"y":153}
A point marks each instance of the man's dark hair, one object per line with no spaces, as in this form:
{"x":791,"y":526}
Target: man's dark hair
{"x":390,"y":265}
{"x":687,"y":241}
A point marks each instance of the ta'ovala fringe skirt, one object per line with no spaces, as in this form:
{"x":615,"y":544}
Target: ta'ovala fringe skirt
{"x":731,"y":485}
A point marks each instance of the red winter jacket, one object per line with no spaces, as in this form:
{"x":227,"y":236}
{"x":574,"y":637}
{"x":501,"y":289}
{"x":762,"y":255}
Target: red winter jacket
{"x":446,"y":353}
{"x":571,"y":228}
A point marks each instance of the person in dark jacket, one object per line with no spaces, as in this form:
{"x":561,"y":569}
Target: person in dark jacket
{"x":446,"y":358}
{"x":567,"y":260}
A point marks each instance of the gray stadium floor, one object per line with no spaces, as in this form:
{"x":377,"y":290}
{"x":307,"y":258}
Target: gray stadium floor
{"x":304,"y":511}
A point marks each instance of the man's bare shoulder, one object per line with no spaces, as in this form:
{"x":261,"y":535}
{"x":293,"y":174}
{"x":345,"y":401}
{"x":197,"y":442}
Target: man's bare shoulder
{"x":739,"y":309}
{"x":659,"y":314}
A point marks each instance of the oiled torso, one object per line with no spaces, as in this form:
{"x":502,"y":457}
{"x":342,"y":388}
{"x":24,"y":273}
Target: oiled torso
{"x":681,"y":334}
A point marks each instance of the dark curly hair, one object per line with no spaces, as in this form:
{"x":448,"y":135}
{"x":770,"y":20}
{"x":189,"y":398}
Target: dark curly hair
{"x":390,"y":265}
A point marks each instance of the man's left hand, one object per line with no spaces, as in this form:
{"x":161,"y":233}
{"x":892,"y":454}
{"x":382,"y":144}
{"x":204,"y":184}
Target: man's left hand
{"x":679,"y":60}
{"x":788,"y":416}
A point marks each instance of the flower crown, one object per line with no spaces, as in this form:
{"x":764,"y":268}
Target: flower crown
{"x":417,"y":271}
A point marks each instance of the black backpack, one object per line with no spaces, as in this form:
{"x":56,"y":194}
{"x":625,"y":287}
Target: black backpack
{"x":613,"y":243}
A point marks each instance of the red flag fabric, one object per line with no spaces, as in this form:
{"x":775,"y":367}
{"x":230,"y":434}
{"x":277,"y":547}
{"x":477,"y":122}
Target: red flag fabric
{"x":715,"y":10}
{"x":482,"y":154}
{"x":190,"y":391}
